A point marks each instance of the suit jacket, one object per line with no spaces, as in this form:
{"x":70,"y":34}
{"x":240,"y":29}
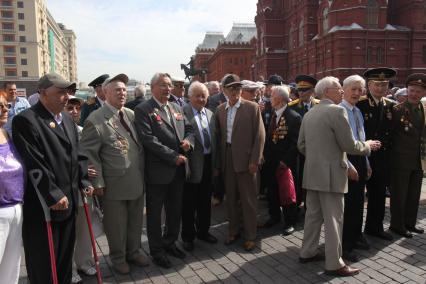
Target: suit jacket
{"x":325,"y":137}
{"x":52,"y":149}
{"x":117,"y":157}
{"x":88,"y":107}
{"x":196,"y":156}
{"x":135,"y":102}
{"x":248,"y":136}
{"x":161,"y":140}
{"x":215,"y":100}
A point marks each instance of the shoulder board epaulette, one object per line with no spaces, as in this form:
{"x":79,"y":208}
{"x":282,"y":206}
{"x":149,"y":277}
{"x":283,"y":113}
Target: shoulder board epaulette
{"x":398,"y":106}
{"x":389,"y":100}
{"x":315,"y":101}
{"x":292,"y":103}
{"x":363,"y":98}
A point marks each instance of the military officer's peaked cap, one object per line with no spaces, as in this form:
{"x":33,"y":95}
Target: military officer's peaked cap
{"x":275,"y":80}
{"x":305,"y":82}
{"x":380,"y":74}
{"x":98,"y":81}
{"x":416,"y":79}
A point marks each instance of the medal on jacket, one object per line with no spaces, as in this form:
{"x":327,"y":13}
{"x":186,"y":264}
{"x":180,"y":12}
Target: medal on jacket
{"x":388,"y":114}
{"x":280,"y":132}
{"x":52,"y":125}
{"x":405,"y":122}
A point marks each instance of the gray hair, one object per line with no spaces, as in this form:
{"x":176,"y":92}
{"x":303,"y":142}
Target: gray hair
{"x":140,"y":91}
{"x":353,"y":79}
{"x":197,"y":85}
{"x":157,"y":76}
{"x":283,"y":91}
{"x":324,"y":84}
{"x":209,"y":84}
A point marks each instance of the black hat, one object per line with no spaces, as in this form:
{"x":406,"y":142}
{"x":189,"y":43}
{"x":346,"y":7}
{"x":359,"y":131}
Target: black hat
{"x":305,"y":82}
{"x":98,"y":81}
{"x":54,"y":79}
{"x":380,"y":74}
{"x":231,"y":80}
{"x":416,"y":79}
{"x":275,"y":80}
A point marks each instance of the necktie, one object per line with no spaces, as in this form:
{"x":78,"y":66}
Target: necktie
{"x":206,"y":136}
{"x":306,"y":107}
{"x":273,"y":124}
{"x":125,"y":125}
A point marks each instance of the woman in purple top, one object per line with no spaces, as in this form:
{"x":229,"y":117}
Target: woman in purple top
{"x":11,"y":197}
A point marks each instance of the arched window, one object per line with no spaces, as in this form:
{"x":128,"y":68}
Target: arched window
{"x":301,"y":33}
{"x":372,"y":14}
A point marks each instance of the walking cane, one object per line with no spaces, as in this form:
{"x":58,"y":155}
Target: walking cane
{"x":35,"y":176}
{"x":92,"y":237}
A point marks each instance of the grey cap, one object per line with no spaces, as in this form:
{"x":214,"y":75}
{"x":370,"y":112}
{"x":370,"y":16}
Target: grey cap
{"x":250,"y":85}
{"x":54,"y":79}
{"x":120,"y":77}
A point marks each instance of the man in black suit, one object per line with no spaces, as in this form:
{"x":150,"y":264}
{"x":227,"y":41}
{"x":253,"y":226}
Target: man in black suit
{"x":47,"y":141}
{"x":281,"y":150}
{"x":167,"y":137}
{"x":93,"y":104}
{"x":216,"y":96}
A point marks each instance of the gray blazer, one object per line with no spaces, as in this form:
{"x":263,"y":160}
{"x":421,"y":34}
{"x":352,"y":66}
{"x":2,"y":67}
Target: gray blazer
{"x":160,"y":140}
{"x":324,"y":138}
{"x":196,"y":157}
{"x":117,"y":157}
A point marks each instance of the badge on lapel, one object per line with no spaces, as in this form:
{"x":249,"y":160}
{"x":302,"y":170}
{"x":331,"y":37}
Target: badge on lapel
{"x":156,"y":116}
{"x":52,"y":125}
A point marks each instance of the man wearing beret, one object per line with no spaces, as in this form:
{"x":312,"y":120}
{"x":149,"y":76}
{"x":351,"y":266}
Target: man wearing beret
{"x":377,"y":113}
{"x":96,"y":102}
{"x":408,"y":149}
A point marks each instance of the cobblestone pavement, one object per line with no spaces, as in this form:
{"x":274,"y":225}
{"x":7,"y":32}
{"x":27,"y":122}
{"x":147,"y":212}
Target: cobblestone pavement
{"x":275,"y":260}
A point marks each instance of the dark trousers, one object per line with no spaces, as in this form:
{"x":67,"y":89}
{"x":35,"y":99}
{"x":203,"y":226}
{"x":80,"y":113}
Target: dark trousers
{"x":405,"y":195}
{"x":196,"y":206}
{"x":36,"y":247}
{"x":218,"y":186}
{"x":169,"y":196}
{"x":354,"y":204}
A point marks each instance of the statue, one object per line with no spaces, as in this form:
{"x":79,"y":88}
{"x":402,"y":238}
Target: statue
{"x":191,"y":71}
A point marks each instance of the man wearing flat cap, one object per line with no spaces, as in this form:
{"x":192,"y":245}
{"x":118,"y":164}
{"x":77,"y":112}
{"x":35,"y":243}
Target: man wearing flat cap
{"x":377,"y":113}
{"x":250,"y":90}
{"x":110,"y":142}
{"x":407,"y":153}
{"x":93,"y":104}
{"x":47,"y":141}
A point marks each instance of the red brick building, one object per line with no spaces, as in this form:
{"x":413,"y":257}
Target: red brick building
{"x":234,"y":53}
{"x":340,"y":37}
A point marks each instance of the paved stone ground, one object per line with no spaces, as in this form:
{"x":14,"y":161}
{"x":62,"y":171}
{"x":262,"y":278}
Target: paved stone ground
{"x":275,"y":260}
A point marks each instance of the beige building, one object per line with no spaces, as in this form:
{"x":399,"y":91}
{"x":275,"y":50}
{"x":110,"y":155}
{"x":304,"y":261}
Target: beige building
{"x":33,"y":44}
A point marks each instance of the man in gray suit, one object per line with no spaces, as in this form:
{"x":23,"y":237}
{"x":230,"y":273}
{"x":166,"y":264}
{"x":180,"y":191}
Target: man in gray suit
{"x":167,"y":137}
{"x":325,"y":137}
{"x":109,"y":140}
{"x":197,"y":192}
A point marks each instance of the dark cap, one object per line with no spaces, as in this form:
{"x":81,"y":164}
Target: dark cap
{"x":416,"y":79}
{"x":305,"y":82}
{"x":380,"y":74}
{"x":275,"y":80}
{"x":231,"y":80}
{"x":98,"y":81}
{"x":120,"y":77}
{"x":54,"y":79}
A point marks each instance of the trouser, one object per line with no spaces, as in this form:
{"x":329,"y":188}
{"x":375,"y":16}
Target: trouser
{"x":83,"y":256}
{"x":10,"y":242}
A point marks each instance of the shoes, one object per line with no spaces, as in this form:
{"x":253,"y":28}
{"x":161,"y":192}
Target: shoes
{"x":415,"y":230}
{"x":208,"y":238}
{"x":174,"y":251}
{"x":405,"y":234}
{"x":317,"y":257}
{"x":382,"y":235}
{"x":188,"y":246}
{"x":121,"y":268}
{"x":269,"y":223}
{"x":362,"y":243}
{"x":343,"y":272}
{"x":350,"y":256}
{"x":76,"y":278}
{"x":89,"y":272}
{"x":232,"y":239}
{"x":288,"y":230}
{"x":249,"y":245}
{"x":162,"y":261}
{"x":140,"y":261}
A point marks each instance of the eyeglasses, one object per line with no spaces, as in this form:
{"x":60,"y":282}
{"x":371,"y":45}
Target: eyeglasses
{"x":5,"y":107}
{"x":179,"y":86}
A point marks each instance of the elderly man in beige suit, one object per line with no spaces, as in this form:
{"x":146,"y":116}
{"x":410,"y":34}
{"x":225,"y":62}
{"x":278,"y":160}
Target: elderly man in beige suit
{"x":241,"y":136}
{"x":325,"y":137}
{"x":110,"y":142}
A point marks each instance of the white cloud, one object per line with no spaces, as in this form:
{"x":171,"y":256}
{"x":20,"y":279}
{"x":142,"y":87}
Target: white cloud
{"x":140,"y":37}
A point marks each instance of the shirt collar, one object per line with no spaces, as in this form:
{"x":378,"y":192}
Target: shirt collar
{"x":113,"y":109}
{"x":196,"y":111}
{"x":347,"y":105}
{"x":158,"y":102}
{"x":280,"y":111}
{"x":237,"y":104}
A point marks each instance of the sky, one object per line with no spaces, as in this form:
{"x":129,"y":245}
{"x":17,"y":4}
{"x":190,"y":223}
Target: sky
{"x":141,"y":37}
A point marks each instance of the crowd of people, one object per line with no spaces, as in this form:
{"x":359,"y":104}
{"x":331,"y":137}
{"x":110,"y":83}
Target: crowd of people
{"x":181,"y":151}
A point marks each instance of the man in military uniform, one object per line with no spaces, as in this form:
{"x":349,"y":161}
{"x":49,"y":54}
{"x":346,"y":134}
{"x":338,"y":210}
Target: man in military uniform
{"x":96,"y":102}
{"x":407,"y":151}
{"x":377,"y":113}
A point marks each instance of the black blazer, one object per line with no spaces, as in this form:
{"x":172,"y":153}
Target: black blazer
{"x":44,"y":146}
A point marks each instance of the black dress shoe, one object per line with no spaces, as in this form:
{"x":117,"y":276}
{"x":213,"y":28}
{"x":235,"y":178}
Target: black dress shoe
{"x":405,"y":234}
{"x":381,"y":235}
{"x":208,"y":238}
{"x":415,"y":230}
{"x":350,"y":256}
{"x":188,"y":246}
{"x":317,"y":257}
{"x":162,"y":261}
{"x":362,"y":243}
{"x":269,"y":223}
{"x":288,"y":230}
{"x":174,"y":251}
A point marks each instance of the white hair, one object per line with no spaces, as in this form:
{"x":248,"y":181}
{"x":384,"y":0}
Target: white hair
{"x":353,"y":79}
{"x":197,"y":85}
{"x":157,"y":76}
{"x":283,"y":91}
{"x":140,"y":91}
{"x":324,"y":84}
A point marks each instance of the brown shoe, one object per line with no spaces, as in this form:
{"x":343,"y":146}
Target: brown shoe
{"x":343,"y":271}
{"x":140,"y":261}
{"x":249,"y":245}
{"x":121,"y":268}
{"x":232,"y":239}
